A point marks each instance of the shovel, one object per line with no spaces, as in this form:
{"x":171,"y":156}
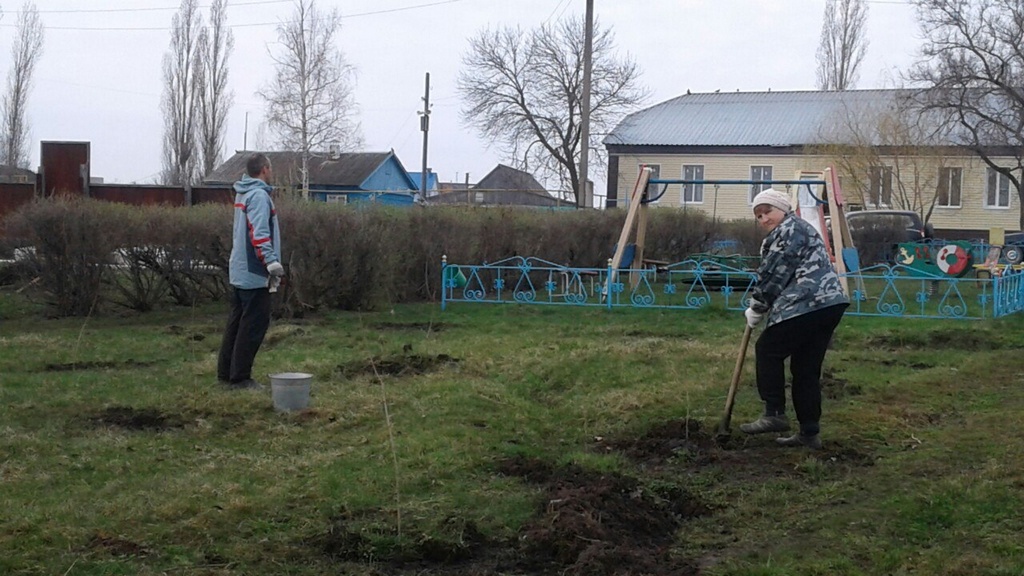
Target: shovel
{"x":722,"y":432}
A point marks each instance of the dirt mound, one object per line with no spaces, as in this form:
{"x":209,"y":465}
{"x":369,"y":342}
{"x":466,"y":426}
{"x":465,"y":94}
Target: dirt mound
{"x":587,"y":524}
{"x":681,"y":439}
{"x":115,"y":545}
{"x":137,"y":419}
{"x":835,"y":387}
{"x":422,"y":326}
{"x":96,"y":365}
{"x":407,"y":365}
{"x":595,"y":524}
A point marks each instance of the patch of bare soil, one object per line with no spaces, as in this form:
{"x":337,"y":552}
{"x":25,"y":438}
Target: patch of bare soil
{"x":587,"y":524}
{"x":407,"y":365}
{"x":130,"y":418}
{"x":176,"y":330}
{"x":902,"y":362}
{"x":685,"y":443}
{"x":455,"y":553}
{"x":959,"y":339}
{"x":676,"y":439}
{"x":835,"y":387}
{"x":115,"y":546}
{"x":95,"y":365}
{"x":420,"y":326}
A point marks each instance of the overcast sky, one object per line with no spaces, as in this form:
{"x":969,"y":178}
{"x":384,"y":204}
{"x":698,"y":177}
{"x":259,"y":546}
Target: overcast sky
{"x":99,"y":78}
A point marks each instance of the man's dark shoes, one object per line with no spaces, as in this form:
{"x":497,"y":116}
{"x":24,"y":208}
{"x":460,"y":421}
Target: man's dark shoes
{"x":766,"y":424}
{"x":812,"y":441}
{"x":247,"y":384}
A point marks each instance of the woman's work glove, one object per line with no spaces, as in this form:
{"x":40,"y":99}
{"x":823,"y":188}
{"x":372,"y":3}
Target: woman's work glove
{"x":753,"y":317}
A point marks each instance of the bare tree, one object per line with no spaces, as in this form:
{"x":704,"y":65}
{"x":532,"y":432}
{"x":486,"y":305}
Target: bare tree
{"x":972,"y":72}
{"x":215,"y":44}
{"x":842,"y":44}
{"x":888,"y":154}
{"x":524,"y":90}
{"x":180,"y":98}
{"x":25,"y":53}
{"x":310,"y":101}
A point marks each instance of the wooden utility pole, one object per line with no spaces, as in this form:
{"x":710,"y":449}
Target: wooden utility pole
{"x":584,"y":196}
{"x":425,"y":127}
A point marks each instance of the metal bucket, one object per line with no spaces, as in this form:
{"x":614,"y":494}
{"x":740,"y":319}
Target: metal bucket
{"x":290,"y":390}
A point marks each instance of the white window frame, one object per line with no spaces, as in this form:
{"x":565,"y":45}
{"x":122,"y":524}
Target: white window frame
{"x":759,"y":172}
{"x":652,"y":190}
{"x":693,"y":191}
{"x":337,"y":198}
{"x":997,"y":179}
{"x":883,"y":170}
{"x":950,"y":177}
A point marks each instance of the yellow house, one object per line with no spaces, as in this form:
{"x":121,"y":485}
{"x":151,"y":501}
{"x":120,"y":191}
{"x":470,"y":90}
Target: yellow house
{"x":885,"y":159}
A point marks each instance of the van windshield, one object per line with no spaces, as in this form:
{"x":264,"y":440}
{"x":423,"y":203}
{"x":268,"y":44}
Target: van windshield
{"x":881,"y":221}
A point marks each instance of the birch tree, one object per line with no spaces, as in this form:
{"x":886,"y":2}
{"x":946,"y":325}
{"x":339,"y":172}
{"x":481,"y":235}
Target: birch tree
{"x":25,"y":53}
{"x":523,"y":91}
{"x":215,"y":44}
{"x":843,"y":44}
{"x":181,"y":96}
{"x":310,"y":100}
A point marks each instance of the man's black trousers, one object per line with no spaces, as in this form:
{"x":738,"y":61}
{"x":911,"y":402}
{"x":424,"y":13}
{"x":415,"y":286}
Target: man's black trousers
{"x":247,"y":325}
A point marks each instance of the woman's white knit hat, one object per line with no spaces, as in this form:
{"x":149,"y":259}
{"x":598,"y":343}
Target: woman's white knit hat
{"x":773,"y":198}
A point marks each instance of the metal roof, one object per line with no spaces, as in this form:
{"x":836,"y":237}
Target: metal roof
{"x":750,"y":118}
{"x":507,"y":178}
{"x":344,"y":169}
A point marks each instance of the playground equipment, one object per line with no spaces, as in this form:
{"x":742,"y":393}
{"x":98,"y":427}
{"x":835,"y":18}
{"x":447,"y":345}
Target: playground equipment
{"x":901,"y":290}
{"x":810,"y":193}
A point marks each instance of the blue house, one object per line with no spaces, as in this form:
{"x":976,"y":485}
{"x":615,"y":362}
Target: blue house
{"x":417,"y":177}
{"x":341,"y":177}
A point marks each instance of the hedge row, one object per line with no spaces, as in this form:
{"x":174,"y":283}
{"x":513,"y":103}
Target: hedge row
{"x":86,"y":256}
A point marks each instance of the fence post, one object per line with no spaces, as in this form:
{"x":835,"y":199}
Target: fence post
{"x":444,"y":281}
{"x":608,"y":284}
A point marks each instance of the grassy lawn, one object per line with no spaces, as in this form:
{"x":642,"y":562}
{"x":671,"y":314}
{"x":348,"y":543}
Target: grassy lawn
{"x":502,"y":439}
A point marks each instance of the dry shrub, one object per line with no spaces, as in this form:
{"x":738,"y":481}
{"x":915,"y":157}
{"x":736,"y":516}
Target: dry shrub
{"x":338,"y":257}
{"x":355,"y":257}
{"x":194,"y":247}
{"x":72,"y":241}
{"x":746,"y":233}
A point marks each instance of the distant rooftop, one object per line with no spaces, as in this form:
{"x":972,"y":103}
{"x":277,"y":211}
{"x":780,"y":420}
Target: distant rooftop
{"x":752,"y":118}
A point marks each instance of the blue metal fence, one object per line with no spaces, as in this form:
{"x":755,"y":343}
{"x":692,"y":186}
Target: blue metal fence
{"x":882,"y":290}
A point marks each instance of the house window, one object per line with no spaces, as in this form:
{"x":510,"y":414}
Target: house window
{"x":948,"y":193}
{"x":759,"y":174}
{"x":693,"y":193}
{"x":337,"y":199}
{"x":478,"y":197}
{"x":653,"y":189}
{"x":997,"y":190}
{"x":880,"y":186}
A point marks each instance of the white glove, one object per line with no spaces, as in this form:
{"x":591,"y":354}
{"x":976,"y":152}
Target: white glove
{"x":274,"y":284}
{"x":753,"y":317}
{"x":275,"y":269}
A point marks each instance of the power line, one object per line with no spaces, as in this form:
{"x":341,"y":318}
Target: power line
{"x":152,"y":9}
{"x":164,"y":28}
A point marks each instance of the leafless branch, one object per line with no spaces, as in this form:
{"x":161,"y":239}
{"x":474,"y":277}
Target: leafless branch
{"x":522,"y":90}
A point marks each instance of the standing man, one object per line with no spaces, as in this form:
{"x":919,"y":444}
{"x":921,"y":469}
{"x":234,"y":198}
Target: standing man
{"x":253,"y":270}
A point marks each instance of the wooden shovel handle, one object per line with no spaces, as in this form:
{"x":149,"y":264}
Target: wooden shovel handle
{"x":735,"y":378}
